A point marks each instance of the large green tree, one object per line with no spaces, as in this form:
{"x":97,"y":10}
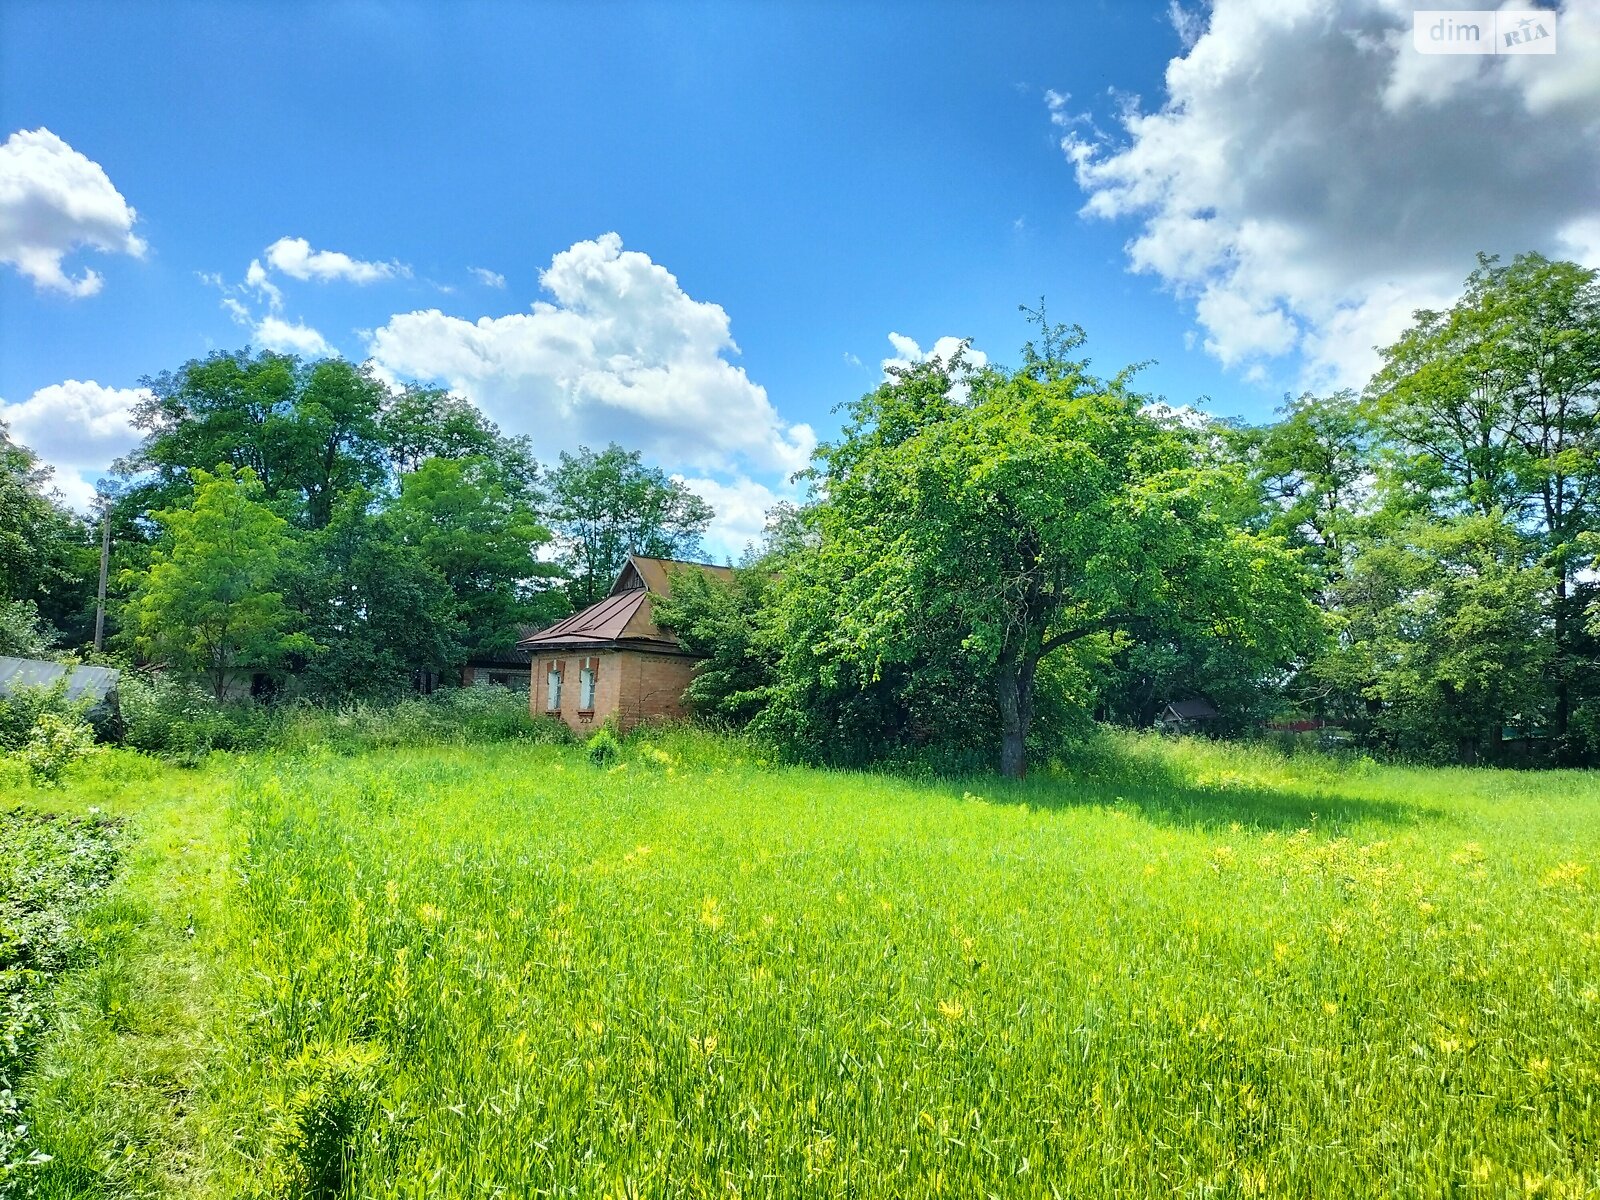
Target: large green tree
{"x":307,"y":431}
{"x":377,"y":611}
{"x":473,"y":523}
{"x":605,"y":506}
{"x":209,"y":603}
{"x":45,"y":556}
{"x":1446,"y":630}
{"x":1493,"y":406}
{"x":1025,"y":512}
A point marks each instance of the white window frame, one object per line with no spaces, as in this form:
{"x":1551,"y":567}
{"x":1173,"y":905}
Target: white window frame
{"x":552,"y":688}
{"x":587,"y":684}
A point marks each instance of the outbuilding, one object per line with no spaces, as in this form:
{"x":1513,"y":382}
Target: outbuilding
{"x":612,"y":660}
{"x":1184,"y":715}
{"x":95,"y":686}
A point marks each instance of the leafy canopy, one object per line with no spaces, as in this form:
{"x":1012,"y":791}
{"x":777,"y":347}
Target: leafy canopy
{"x":208,"y":603}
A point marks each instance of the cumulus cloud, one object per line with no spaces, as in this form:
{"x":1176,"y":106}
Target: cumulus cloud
{"x":1309,"y":179}
{"x":487,"y":277}
{"x":296,"y":259}
{"x":267,"y":329}
{"x":619,"y":351}
{"x":907,"y":353}
{"x":258,"y":281}
{"x":290,"y":338}
{"x":741,"y":507}
{"x":78,"y":427}
{"x":52,"y":201}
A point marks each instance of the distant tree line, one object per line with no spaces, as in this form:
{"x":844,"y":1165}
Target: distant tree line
{"x":308,"y":523}
{"x":990,"y":557}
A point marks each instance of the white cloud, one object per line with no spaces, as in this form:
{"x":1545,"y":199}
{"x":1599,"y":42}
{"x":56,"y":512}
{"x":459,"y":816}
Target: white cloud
{"x":1187,"y":23}
{"x":256,"y":278}
{"x":907,"y":353}
{"x":741,"y":507}
{"x":296,"y":259}
{"x":78,"y":427}
{"x":487,"y":277}
{"x":298,"y":338}
{"x":619,"y":352}
{"x":269,"y":330}
{"x":1309,"y":179}
{"x":53,"y":200}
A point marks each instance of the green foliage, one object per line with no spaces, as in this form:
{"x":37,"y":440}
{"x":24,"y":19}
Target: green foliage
{"x":731,"y":626}
{"x":179,"y":722}
{"x":307,"y":431}
{"x":606,"y":506}
{"x":176,"y":719}
{"x":1447,"y":630}
{"x":49,"y":867}
{"x":55,"y":742}
{"x":472,"y":522}
{"x":44,"y":557}
{"x":208,"y":604}
{"x":422,"y":423}
{"x":603,"y":748}
{"x":983,"y":522}
{"x":22,"y":707}
{"x":379,"y":614}
{"x":1311,"y":467}
{"x":329,"y":1101}
{"x":22,"y":633}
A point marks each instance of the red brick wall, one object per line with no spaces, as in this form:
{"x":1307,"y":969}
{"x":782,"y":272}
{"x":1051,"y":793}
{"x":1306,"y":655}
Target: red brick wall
{"x":632,"y":684}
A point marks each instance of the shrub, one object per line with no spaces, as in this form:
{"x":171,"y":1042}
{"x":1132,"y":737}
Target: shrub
{"x":177,"y":720}
{"x":21,"y":709}
{"x":603,"y":748}
{"x":56,"y":742}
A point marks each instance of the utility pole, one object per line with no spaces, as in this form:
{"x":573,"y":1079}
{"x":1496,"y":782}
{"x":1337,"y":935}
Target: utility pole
{"x":105,"y":562}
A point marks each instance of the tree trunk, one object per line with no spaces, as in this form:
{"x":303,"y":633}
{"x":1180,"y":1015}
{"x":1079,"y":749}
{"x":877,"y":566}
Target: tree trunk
{"x":1015,"y":687}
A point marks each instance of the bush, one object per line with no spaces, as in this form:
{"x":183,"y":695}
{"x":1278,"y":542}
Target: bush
{"x":56,"y":742}
{"x":603,"y":748}
{"x":177,"y":720}
{"x":21,"y":709}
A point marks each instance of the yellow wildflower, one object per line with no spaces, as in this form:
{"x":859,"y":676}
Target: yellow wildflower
{"x":711,"y":913}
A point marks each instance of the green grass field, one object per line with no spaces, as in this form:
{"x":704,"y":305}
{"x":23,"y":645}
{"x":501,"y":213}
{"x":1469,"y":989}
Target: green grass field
{"x":1170,"y":969}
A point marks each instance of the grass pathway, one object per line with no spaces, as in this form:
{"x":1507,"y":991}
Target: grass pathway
{"x":139,"y":1028}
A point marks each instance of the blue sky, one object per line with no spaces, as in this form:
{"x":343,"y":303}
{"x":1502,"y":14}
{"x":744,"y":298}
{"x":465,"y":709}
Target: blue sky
{"x":827,"y":175}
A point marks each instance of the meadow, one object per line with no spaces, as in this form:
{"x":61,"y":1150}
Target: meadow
{"x":1162,"y":967}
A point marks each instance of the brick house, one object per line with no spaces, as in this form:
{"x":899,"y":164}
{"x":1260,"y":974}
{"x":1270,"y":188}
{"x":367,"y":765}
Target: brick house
{"x":612,"y":659}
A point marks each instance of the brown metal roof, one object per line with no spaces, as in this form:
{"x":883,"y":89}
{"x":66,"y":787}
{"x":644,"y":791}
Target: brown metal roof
{"x":624,"y":617}
{"x":656,"y":573}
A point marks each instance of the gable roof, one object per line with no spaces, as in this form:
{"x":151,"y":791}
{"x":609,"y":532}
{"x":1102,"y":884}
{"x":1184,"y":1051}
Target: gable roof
{"x":623,"y":618}
{"x":655,"y":574}
{"x":1193,"y":710}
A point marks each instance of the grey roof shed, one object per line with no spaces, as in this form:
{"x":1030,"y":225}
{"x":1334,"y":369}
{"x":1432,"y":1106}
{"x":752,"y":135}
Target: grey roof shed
{"x":96,"y":684}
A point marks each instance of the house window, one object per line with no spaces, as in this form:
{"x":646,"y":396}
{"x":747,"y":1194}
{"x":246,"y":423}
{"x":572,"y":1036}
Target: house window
{"x":553,"y":688}
{"x":586,"y":676}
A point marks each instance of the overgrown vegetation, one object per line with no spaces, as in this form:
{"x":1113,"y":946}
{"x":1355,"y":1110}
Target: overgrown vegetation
{"x":49,"y":867}
{"x":988,"y":559}
{"x":498,"y":969}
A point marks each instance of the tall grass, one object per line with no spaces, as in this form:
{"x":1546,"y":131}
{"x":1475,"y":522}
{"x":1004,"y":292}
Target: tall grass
{"x":1164,"y":968}
{"x":179,"y":722}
